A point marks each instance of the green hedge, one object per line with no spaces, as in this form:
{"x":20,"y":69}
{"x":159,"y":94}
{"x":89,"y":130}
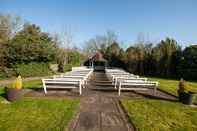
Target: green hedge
{"x":68,"y":67}
{"x":6,"y":72}
{"x":33,"y":69}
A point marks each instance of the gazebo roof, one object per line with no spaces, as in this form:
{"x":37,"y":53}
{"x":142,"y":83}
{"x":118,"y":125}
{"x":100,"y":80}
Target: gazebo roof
{"x":98,"y":57}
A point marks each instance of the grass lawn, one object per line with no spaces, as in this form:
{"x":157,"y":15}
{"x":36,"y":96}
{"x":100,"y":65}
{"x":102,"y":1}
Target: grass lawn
{"x":36,"y":114}
{"x":171,"y":86}
{"x":157,"y":115}
{"x":32,"y":84}
{"x":28,"y":85}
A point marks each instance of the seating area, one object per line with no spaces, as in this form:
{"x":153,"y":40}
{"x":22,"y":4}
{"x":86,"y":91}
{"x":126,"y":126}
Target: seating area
{"x":126,"y":81}
{"x":77,"y":78}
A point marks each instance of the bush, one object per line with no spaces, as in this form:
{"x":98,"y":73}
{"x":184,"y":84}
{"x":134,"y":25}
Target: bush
{"x":33,"y":69}
{"x":7,"y":72}
{"x":67,"y":67}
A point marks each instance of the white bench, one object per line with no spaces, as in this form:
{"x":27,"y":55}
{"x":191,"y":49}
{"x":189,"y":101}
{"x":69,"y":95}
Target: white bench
{"x":84,"y":79}
{"x":77,"y":78}
{"x":127,"y":79}
{"x":115,"y":77}
{"x":137,"y":85}
{"x":62,"y":83}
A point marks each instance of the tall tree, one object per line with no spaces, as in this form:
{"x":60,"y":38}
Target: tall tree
{"x":187,"y":67}
{"x":9,"y":26}
{"x":163,"y":54}
{"x":31,"y":44}
{"x":100,"y":43}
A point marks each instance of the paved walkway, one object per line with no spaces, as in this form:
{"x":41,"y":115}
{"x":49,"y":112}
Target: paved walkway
{"x":100,"y":111}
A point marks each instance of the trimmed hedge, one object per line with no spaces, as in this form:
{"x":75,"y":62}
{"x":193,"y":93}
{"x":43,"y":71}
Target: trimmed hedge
{"x":33,"y":69}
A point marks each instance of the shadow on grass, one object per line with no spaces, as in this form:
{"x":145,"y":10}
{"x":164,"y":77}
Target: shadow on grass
{"x":49,"y":89}
{"x":164,"y":96}
{"x":51,"y":92}
{"x":3,"y":95}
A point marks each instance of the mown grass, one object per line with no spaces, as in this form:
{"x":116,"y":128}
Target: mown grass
{"x":37,"y":114}
{"x":157,"y":115}
{"x":171,"y":86}
{"x":32,"y":84}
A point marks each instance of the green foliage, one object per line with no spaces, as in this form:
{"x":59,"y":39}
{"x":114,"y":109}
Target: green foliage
{"x":60,"y":58}
{"x":187,"y":67}
{"x":115,"y":55}
{"x":30,"y":44}
{"x":163,"y":55}
{"x":67,"y":67}
{"x":37,"y":114}
{"x":182,"y":86}
{"x":68,"y":58}
{"x":32,"y":84}
{"x":7,"y":24}
{"x":33,"y":69}
{"x":74,"y":57}
{"x":158,"y":115}
{"x":23,"y":43}
{"x":7,"y":72}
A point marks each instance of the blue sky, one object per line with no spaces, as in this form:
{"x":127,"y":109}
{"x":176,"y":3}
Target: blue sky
{"x":157,"y":19}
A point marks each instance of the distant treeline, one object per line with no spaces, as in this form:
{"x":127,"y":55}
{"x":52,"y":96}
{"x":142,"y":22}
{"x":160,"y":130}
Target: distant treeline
{"x":24,"y":43}
{"x":164,"y":59}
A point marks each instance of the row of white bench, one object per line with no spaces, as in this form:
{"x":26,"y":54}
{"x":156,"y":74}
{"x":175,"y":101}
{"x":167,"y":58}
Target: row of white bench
{"x":126,"y":81}
{"x":69,"y":80}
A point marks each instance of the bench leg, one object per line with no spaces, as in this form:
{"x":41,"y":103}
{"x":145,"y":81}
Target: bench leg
{"x":80,"y":91}
{"x":84,"y":84}
{"x":119,"y":89}
{"x":44,"y":86}
{"x":154,"y":91}
{"x":45,"y":90}
{"x":115,"y":83}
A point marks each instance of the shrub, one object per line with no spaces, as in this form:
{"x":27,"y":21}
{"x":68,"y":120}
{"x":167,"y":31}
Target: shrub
{"x":182,"y":87}
{"x":7,"y":72}
{"x":33,"y":69}
{"x":67,"y":67}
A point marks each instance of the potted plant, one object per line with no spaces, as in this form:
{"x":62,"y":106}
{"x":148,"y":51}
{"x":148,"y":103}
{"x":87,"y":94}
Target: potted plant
{"x":13,"y":92}
{"x":186,"y":95}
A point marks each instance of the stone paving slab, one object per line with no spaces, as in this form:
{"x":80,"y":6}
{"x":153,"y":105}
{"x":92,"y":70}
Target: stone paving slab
{"x":88,"y":121}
